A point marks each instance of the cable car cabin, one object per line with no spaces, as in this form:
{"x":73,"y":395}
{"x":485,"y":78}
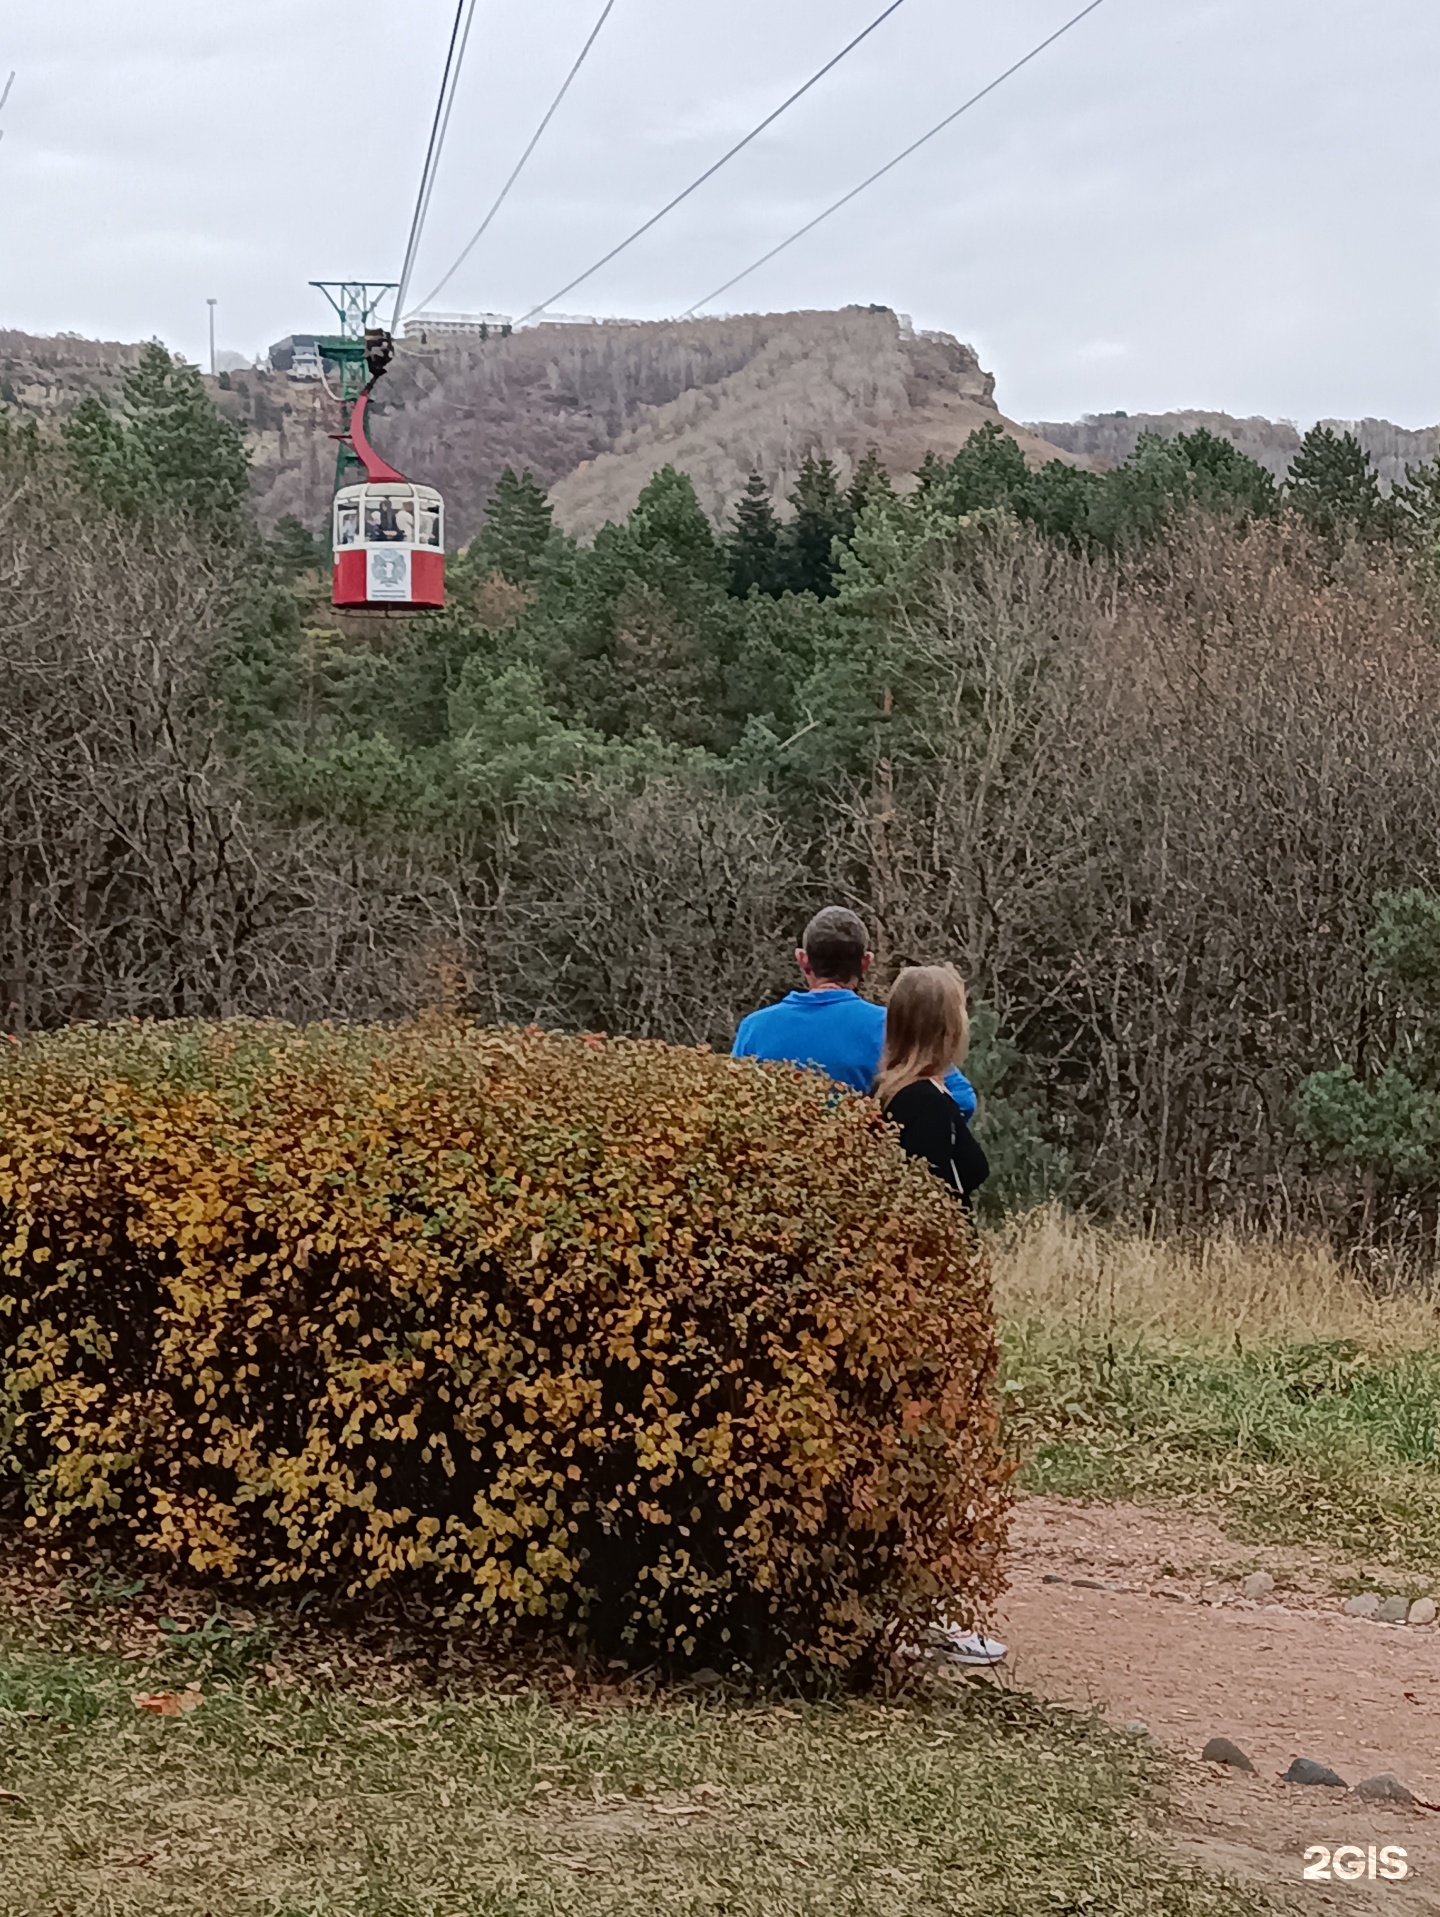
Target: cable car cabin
{"x":389,"y":538}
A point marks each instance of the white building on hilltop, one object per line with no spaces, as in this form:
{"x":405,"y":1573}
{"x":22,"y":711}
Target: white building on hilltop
{"x":428,"y":328}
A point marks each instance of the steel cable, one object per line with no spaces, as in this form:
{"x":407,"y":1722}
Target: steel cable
{"x":890,"y":165}
{"x":439,"y":126}
{"x":711,"y":171}
{"x":535,"y":140}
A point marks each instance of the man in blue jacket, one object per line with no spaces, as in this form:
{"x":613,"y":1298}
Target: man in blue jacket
{"x":829,"y":1027}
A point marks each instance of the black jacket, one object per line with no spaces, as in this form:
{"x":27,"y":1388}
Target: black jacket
{"x":933,"y":1127}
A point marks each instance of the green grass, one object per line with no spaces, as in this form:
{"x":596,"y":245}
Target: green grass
{"x":1303,"y":1443}
{"x":317,"y":1798}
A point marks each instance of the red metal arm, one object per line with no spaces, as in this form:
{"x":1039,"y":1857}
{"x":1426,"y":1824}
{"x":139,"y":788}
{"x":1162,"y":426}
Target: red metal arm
{"x":376,"y":469}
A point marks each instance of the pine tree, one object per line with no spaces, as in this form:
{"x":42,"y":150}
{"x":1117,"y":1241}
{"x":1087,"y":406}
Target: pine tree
{"x":194,"y":457}
{"x":753,"y":545}
{"x":668,"y":519}
{"x":1415,"y":504}
{"x":295,"y":547}
{"x":1334,"y":487}
{"x":988,"y":470}
{"x":1059,"y":500}
{"x":1163,"y":478}
{"x":1220,"y":478}
{"x":931,"y":476}
{"x":105,"y":454}
{"x":517,"y":529}
{"x":168,"y":448}
{"x":871,"y":482}
{"x":821,"y":518}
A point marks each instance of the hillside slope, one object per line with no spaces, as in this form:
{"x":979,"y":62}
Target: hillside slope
{"x":835,"y":383}
{"x":592,"y":411}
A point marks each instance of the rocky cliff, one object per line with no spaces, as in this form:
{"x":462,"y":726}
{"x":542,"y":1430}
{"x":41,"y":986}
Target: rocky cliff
{"x":45,"y":377}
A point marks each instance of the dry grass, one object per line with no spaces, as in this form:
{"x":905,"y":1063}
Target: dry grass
{"x":314,"y":1798}
{"x":1292,"y":1396}
{"x":1090,"y":1282}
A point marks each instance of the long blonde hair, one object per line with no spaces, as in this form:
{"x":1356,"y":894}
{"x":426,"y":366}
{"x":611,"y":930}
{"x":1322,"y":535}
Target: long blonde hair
{"x":927,"y":1028}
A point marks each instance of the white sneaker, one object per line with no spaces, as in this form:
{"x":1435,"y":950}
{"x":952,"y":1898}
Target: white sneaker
{"x":966,"y":1647}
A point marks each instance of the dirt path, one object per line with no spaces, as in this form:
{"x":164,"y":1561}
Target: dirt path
{"x":1156,"y":1630}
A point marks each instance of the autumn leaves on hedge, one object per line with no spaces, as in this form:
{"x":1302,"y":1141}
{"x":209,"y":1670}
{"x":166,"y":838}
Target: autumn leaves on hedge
{"x":602,"y":1337}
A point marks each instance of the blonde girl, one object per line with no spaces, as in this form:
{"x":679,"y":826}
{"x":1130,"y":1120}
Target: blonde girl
{"x":927,"y":1033}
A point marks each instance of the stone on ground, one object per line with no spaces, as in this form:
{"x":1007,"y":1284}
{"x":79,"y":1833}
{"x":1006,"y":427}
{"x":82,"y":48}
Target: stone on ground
{"x":1304,"y":1770}
{"x":1221,"y":1751}
{"x":1393,"y":1611}
{"x":1422,"y":1611}
{"x":1259,"y":1584}
{"x":1384,"y":1789}
{"x":1366,"y":1605}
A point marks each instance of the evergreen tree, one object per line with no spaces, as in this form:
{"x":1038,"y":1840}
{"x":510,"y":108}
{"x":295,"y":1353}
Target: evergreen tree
{"x":1220,"y":478}
{"x":1164,"y":477}
{"x":1415,"y":506}
{"x":870,"y":482}
{"x":1137,"y":499}
{"x":105,"y":454}
{"x":518,"y":526}
{"x":295,"y":547}
{"x":1058,"y":500}
{"x":988,"y":470}
{"x":1334,"y":487}
{"x":753,"y":545}
{"x":930,"y":477}
{"x":632,"y":634}
{"x":1387,"y":1123}
{"x":821,"y":518}
{"x":669,"y":520}
{"x":168,"y":448}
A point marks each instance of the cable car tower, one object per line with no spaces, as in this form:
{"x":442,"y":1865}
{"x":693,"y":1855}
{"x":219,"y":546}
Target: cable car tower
{"x":387,"y":534}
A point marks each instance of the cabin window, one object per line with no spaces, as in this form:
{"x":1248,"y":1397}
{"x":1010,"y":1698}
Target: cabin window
{"x":386,"y":518}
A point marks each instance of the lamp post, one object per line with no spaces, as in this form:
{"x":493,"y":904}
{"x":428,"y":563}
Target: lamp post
{"x":211,"y":305}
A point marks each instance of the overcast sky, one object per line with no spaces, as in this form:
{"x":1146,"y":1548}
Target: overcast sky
{"x":1218,"y":203}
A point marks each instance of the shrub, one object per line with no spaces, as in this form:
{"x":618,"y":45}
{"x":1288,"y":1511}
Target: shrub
{"x":610,"y":1338}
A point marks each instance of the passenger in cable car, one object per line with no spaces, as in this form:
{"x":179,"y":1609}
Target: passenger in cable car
{"x":349,"y":525}
{"x":405,"y":520}
{"x":429,"y":526}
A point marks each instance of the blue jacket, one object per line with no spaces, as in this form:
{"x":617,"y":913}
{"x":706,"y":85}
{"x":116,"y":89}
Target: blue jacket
{"x":835,"y":1032}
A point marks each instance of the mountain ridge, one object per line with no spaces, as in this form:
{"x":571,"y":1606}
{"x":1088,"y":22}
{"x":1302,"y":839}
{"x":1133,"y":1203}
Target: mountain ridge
{"x":593,"y":410}
{"x":1104,"y":440}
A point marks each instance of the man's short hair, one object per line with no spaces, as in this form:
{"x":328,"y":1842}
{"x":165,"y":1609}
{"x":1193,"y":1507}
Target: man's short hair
{"x":835,"y":942}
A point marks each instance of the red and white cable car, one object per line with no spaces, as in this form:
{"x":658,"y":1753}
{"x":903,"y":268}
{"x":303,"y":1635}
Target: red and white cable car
{"x":388,"y":534}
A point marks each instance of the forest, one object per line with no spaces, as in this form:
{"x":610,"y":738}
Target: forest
{"x":1151,"y":754}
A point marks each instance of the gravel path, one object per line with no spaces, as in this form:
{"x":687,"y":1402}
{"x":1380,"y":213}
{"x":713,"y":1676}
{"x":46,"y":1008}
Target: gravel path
{"x":1141,"y":1613}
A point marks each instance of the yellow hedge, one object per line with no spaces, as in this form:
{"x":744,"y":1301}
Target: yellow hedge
{"x":629,"y":1341}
